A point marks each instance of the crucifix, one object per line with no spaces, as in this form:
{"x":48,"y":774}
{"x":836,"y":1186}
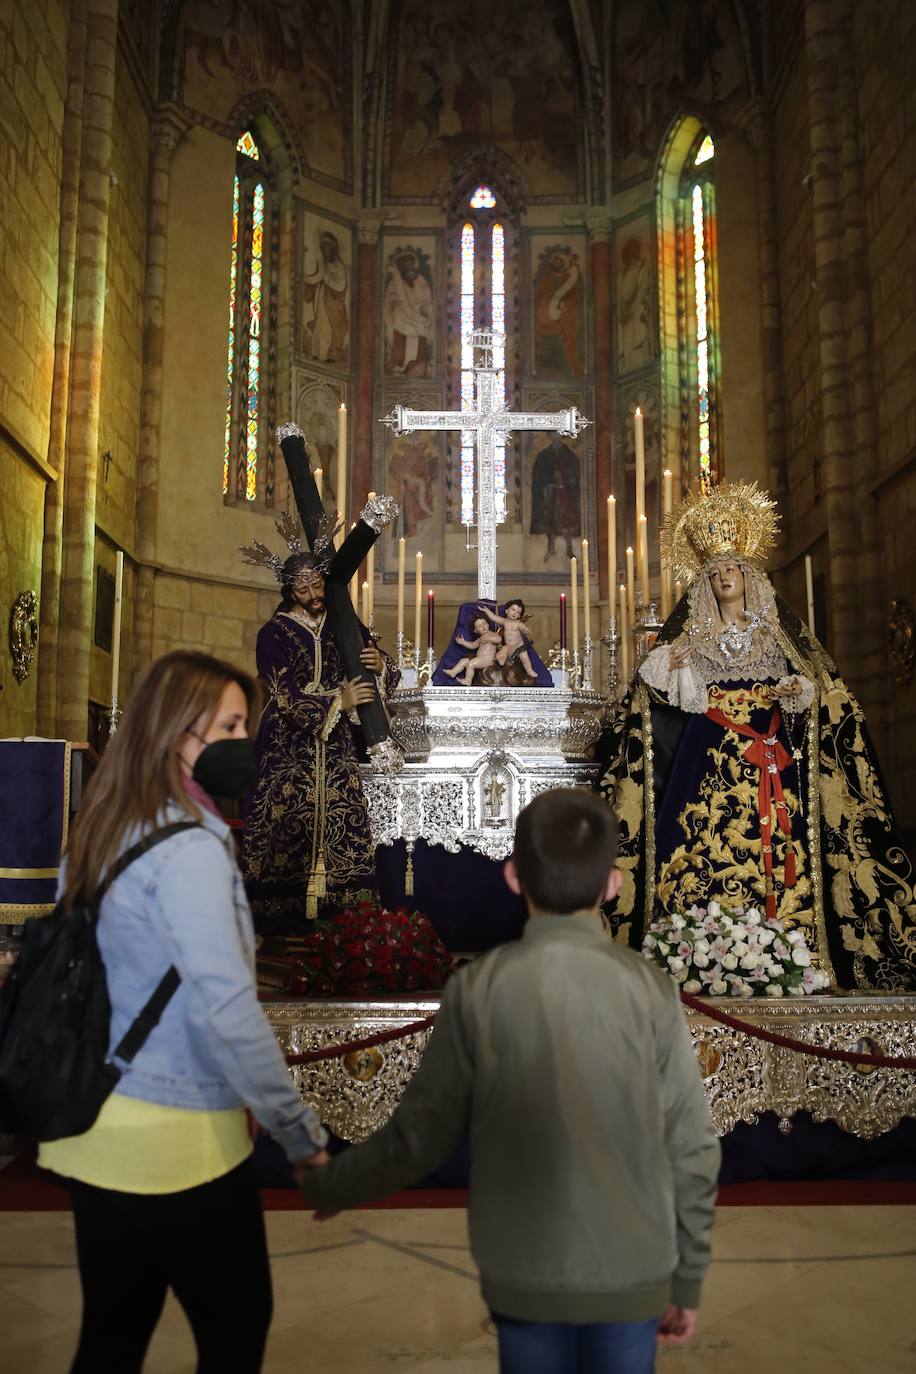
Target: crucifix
{"x":487,"y":420}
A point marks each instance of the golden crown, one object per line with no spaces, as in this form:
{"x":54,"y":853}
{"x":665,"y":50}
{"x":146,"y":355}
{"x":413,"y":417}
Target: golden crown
{"x":733,"y":519}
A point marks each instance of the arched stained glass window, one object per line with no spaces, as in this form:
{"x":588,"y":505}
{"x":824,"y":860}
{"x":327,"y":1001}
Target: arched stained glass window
{"x":250,"y":383}
{"x":692,"y":420}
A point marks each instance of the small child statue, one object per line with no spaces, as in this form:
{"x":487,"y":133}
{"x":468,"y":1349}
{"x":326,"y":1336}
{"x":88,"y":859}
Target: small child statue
{"x":516,"y":639}
{"x":489,"y":644}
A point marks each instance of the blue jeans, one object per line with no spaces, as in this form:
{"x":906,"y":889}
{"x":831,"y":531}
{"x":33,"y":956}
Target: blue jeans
{"x":568,"y":1348}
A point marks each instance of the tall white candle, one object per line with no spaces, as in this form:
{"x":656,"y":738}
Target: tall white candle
{"x":418,"y":602}
{"x":611,"y":553}
{"x":354,"y":583}
{"x":664,"y":568}
{"x":809,"y":589}
{"x":640,"y":442}
{"x":642,"y":545}
{"x":365,"y":603}
{"x":116,"y":628}
{"x":402,"y":555}
{"x":370,"y":571}
{"x":624,"y":632}
{"x":586,"y":591}
{"x":342,"y":461}
{"x":631,"y":588}
{"x":319,"y":483}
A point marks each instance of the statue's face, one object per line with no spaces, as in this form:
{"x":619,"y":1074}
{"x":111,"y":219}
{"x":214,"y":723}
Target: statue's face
{"x":514,"y":611}
{"x":308,"y":591}
{"x":727,"y":581}
{"x":480,"y":625}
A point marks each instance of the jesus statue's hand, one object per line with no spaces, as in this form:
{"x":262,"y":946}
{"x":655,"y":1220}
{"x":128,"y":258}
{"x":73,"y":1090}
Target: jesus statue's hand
{"x":372,"y":659}
{"x":356,"y":693}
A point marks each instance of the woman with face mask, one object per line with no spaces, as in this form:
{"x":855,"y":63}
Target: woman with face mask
{"x":163,"y":1191}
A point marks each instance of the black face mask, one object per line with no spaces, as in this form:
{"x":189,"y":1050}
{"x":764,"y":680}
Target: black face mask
{"x":226,"y":768}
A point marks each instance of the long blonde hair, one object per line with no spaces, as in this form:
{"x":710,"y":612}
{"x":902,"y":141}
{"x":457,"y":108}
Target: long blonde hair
{"x":140,"y":770}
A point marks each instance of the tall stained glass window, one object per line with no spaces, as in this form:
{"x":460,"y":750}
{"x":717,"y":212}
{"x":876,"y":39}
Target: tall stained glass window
{"x":482,"y":306}
{"x":702,"y":233}
{"x":249,"y":389}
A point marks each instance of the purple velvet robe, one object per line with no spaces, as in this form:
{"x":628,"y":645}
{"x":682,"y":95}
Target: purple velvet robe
{"x":308,"y":798}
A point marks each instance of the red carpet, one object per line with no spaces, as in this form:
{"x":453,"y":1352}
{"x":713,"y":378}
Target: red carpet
{"x":26,"y":1188}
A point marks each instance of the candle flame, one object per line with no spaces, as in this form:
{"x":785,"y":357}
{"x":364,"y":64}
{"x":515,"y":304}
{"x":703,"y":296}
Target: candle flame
{"x":638,"y":411}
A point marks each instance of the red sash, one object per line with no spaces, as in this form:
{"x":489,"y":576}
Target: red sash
{"x":766,"y":753}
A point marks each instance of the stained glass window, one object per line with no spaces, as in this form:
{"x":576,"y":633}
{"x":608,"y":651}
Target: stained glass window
{"x":498,"y":325}
{"x":468,"y":244}
{"x":705,"y":152}
{"x":249,"y":387}
{"x":247,"y":145}
{"x":702,"y":331}
{"x":483,"y":199}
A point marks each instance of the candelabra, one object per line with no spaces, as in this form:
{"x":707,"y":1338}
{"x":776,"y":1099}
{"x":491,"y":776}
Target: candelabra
{"x":646,"y":628}
{"x":611,"y":642}
{"x":425,"y":670}
{"x":113,"y":716}
{"x":575,"y":675}
{"x":587,"y":649}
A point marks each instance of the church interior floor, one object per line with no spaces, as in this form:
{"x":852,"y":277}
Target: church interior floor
{"x":805,"y":1289}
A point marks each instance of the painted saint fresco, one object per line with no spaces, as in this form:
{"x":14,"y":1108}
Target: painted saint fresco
{"x":408,"y":311}
{"x":326,"y":290}
{"x":558,"y":309}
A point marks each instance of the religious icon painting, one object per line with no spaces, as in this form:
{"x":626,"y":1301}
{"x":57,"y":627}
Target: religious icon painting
{"x":634,"y":294}
{"x":315,"y":412}
{"x":410,"y":320}
{"x":283,"y":56}
{"x":555,"y":480}
{"x":559,"y":347}
{"x":324,"y":301}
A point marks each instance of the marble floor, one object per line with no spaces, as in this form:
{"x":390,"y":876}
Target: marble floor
{"x":808,"y":1289}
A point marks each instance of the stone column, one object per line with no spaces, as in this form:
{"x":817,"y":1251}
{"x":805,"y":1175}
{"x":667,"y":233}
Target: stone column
{"x":81,"y":470}
{"x":165,"y":134}
{"x":361,"y":468}
{"x":599,"y":233}
{"x":759,"y":129}
{"x":52,"y":546}
{"x":832,"y":296}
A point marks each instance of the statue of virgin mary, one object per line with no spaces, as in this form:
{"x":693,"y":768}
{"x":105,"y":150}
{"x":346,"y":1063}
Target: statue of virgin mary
{"x":740,"y":768}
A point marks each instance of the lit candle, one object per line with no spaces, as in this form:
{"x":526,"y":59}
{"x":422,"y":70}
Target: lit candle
{"x":631,"y":589}
{"x":354,"y":583}
{"x":640,"y":463}
{"x":666,"y":491}
{"x":574,"y":601}
{"x":319,"y":483}
{"x":809,"y":589}
{"x":342,"y":461}
{"x":365,"y":603}
{"x":678,"y":590}
{"x":586,"y":591}
{"x":431,"y":619}
{"x":116,"y":627}
{"x":611,"y":553}
{"x":370,"y":571}
{"x":402,"y":555}
{"x":418,"y":602}
{"x":624,"y":636}
{"x":562,"y":620}
{"x":642,"y":544}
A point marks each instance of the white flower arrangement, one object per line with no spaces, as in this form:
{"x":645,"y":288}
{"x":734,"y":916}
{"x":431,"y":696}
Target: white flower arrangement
{"x":729,"y":952}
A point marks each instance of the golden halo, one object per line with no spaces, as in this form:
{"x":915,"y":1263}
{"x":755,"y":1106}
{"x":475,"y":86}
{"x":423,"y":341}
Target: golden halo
{"x":733,"y":519}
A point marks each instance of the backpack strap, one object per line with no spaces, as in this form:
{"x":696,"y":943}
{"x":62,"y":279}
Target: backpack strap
{"x":139,"y":1031}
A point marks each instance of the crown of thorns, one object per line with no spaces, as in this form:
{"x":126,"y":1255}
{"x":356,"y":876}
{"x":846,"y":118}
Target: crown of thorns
{"x":326,"y":529}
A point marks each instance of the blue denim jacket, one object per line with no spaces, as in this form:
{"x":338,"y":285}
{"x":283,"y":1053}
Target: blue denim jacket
{"x":183,"y":903}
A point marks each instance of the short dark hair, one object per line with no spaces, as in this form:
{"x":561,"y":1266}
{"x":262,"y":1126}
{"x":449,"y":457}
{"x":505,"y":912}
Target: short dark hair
{"x":515,"y":601}
{"x":565,"y":847}
{"x":292,"y":570}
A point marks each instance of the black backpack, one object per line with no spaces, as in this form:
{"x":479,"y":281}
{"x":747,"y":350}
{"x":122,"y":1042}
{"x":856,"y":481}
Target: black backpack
{"x":55,"y":1018}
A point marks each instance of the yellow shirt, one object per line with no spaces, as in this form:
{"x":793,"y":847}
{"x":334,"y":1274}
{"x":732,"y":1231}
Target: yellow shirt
{"x":142,"y":1147}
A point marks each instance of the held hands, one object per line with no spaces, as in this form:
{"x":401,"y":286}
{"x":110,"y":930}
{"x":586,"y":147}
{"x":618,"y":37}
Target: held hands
{"x":301,"y":1167}
{"x":679,"y":656}
{"x":371,"y":658}
{"x":677,"y":1326}
{"x":790,"y":688}
{"x":356,"y":693}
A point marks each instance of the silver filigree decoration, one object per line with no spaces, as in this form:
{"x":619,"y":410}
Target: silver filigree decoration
{"x":379,"y":512}
{"x":289,"y":430}
{"x":386,"y":756}
{"x":290,"y":532}
{"x":258,"y":555}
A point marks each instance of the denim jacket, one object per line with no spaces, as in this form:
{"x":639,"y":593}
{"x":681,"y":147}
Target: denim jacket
{"x":183,"y":903}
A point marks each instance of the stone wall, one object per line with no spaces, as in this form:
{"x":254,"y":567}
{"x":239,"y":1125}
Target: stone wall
{"x":21,"y":510}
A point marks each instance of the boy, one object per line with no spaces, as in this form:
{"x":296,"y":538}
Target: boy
{"x":593,"y":1159}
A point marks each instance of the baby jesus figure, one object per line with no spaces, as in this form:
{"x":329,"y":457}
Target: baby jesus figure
{"x":487,"y":643}
{"x":516,"y":638}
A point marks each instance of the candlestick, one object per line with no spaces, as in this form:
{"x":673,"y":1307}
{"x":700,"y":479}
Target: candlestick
{"x":664,"y":567}
{"x":370,"y":570}
{"x":365,"y":603}
{"x":418,"y":591}
{"x":809,"y":589}
{"x":586,"y":592}
{"x":114,"y":714}
{"x":342,"y":461}
{"x":563,"y":621}
{"x":631,"y":588}
{"x":624,"y":637}
{"x":319,"y":483}
{"x":642,"y":545}
{"x":611,"y":549}
{"x":574,"y":602}
{"x":431,"y":619}
{"x":354,"y":584}
{"x":639,"y":438}
{"x":402,"y":555}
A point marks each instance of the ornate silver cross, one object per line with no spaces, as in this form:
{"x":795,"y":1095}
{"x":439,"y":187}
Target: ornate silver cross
{"x":488,"y":419}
